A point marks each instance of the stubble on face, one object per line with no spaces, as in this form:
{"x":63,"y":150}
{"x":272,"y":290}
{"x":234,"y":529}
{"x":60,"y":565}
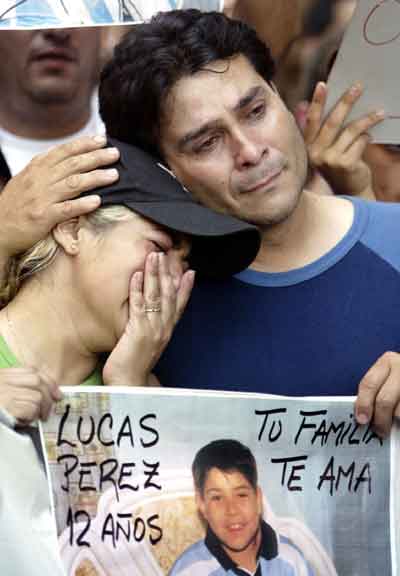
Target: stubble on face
{"x":254,"y":165}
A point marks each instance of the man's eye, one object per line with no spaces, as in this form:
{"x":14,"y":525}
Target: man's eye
{"x":207,"y":145}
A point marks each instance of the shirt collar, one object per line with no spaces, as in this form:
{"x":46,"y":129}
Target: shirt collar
{"x":268,"y":548}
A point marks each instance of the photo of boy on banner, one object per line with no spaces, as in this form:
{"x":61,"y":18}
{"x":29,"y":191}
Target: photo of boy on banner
{"x":238,"y":540}
{"x":141,"y":487}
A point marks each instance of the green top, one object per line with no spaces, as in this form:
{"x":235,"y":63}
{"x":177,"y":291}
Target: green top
{"x":8,"y":360}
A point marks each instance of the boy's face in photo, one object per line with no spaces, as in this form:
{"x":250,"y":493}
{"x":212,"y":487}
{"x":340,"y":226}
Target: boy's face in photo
{"x":232,"y":508}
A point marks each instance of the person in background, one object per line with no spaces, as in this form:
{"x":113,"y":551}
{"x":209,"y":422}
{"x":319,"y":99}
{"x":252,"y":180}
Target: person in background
{"x":341,"y":152}
{"x":278,"y":24}
{"x":47,"y":81}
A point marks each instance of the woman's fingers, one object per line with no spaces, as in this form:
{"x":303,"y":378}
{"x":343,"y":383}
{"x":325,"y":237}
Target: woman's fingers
{"x":152,"y":282}
{"x":184,"y":291}
{"x":136,"y":298}
{"x":168,"y":294}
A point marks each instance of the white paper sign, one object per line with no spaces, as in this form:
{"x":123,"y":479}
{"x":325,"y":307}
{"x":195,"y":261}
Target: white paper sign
{"x":20,"y":14}
{"x":370,"y":54}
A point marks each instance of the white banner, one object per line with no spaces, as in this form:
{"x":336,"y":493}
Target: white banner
{"x":21,"y":14}
{"x":120,"y":468}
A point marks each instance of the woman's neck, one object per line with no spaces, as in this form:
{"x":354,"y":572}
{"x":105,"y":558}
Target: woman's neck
{"x":40,"y":330}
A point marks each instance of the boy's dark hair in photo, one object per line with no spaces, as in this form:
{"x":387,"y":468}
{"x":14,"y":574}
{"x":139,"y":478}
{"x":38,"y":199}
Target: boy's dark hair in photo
{"x":226,"y":455}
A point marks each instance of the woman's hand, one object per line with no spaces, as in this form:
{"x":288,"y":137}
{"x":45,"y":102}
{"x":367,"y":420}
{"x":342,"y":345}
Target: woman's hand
{"x":335,"y":148}
{"x":25,"y":396}
{"x":156,"y":302}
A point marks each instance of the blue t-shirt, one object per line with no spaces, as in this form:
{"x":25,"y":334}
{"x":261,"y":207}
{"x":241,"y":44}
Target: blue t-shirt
{"x":311,"y":331}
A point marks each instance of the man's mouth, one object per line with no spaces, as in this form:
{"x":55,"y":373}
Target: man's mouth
{"x":265,"y":182}
{"x":53,"y":55}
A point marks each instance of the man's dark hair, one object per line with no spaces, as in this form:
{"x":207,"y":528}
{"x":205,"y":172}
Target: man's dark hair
{"x":226,"y":455}
{"x":152,"y":57}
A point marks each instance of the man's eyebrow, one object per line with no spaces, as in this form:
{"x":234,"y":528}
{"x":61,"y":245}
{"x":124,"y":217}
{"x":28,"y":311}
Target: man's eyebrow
{"x":253,"y":93}
{"x":196,"y":133}
{"x":248,"y":98}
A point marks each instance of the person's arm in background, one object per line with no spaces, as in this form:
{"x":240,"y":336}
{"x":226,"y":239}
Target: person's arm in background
{"x":335,"y":148}
{"x":278,"y":23}
{"x":42,"y":194}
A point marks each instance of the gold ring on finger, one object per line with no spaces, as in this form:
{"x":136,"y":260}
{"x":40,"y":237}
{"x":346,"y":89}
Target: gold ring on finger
{"x":152,"y":308}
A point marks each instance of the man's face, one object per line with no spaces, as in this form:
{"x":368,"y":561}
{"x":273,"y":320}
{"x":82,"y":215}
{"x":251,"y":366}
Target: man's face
{"x":228,"y":137}
{"x":48,"y":66}
{"x":232,"y":508}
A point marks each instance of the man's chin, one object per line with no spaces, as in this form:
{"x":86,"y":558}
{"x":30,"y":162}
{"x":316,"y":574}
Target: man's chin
{"x":54,"y":91}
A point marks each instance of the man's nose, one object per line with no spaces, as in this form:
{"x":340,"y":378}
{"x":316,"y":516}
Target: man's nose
{"x":57,"y":35}
{"x":247,"y":150}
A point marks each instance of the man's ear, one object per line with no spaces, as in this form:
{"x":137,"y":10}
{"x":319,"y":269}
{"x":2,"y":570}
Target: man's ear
{"x":66,"y":234}
{"x":200,"y":504}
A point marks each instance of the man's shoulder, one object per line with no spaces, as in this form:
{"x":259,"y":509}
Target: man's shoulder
{"x":196,"y":561}
{"x":381,"y":234}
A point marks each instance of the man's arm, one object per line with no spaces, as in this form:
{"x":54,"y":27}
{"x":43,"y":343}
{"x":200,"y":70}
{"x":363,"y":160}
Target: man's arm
{"x":42,"y":195}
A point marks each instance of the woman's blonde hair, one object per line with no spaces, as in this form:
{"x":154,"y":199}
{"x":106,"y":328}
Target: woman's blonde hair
{"x":42,"y":254}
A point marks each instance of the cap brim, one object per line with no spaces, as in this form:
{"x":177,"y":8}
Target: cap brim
{"x":221,"y":245}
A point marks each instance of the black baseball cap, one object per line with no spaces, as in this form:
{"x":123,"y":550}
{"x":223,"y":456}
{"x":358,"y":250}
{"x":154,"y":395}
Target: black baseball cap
{"x":221,"y":245}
